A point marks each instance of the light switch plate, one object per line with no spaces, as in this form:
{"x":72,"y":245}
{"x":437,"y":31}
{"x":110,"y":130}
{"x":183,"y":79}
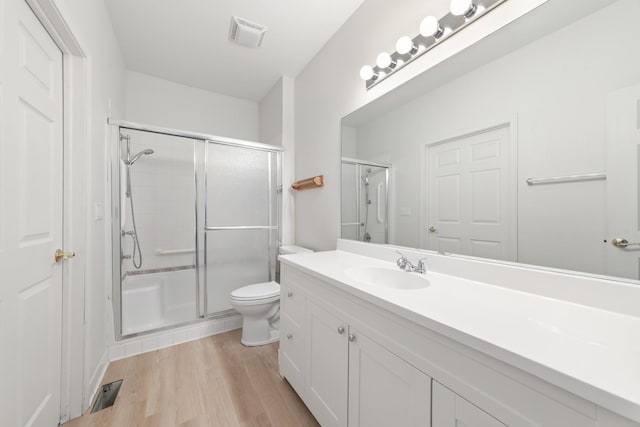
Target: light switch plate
{"x":405,"y":211}
{"x":98,"y":211}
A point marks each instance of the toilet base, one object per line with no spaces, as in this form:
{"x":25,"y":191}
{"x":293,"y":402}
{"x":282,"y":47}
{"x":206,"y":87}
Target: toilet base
{"x":274,"y":337}
{"x":258,"y":331}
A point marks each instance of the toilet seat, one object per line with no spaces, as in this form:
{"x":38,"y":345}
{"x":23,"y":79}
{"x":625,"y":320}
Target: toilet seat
{"x":259,"y":293}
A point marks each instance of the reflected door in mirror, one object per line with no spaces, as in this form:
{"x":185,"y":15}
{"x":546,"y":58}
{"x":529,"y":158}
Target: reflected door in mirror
{"x":623,"y":156}
{"x":468,"y":196}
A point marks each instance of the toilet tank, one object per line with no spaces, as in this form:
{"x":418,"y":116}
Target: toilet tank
{"x":288,"y":250}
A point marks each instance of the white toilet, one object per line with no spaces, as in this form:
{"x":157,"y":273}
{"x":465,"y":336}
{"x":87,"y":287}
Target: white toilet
{"x":259,"y":306}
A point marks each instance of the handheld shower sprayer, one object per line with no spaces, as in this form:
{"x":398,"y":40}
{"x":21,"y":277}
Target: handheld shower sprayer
{"x":146,"y":152}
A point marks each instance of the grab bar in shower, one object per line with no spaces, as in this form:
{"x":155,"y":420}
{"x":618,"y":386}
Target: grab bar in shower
{"x":174,"y":251}
{"x":243,"y":227}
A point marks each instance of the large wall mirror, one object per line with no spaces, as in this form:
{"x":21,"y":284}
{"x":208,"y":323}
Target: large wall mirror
{"x":524,"y":147}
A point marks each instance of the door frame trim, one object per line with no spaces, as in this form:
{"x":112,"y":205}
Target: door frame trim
{"x":76,"y":152}
{"x":512,"y":124}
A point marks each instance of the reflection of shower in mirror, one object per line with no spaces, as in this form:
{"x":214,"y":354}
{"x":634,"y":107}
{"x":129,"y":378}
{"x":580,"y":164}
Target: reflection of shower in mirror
{"x":365,"y":194}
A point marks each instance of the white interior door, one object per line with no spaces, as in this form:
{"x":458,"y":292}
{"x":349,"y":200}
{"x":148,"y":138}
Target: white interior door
{"x":623,"y":161}
{"x":30,"y":220}
{"x":469,"y":196}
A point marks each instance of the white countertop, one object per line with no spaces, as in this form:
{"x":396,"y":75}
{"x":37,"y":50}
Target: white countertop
{"x":591,"y":352}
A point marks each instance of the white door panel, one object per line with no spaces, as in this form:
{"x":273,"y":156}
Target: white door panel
{"x":30,"y":219}
{"x":623,"y":164}
{"x":384,"y":390}
{"x":327,"y":358}
{"x":469,"y":197}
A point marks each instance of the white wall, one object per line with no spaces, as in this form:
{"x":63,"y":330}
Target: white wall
{"x":270,"y":116}
{"x":91,"y":25}
{"x":277,"y":128}
{"x":159,"y":102}
{"x":560,"y":113}
{"x":330,"y":88}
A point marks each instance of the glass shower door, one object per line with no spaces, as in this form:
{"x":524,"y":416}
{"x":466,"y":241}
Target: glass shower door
{"x":241,"y":221}
{"x":350,"y":223}
{"x":155,"y":231}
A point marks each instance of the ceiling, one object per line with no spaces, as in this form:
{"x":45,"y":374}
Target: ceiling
{"x":187,"y":41}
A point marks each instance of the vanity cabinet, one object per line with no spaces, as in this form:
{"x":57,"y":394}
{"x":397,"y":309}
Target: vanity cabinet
{"x":355,"y":363}
{"x":349,"y":379}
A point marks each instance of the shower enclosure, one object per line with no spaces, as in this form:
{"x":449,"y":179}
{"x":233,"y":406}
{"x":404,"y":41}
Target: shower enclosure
{"x":193,"y":217}
{"x":365,"y":201}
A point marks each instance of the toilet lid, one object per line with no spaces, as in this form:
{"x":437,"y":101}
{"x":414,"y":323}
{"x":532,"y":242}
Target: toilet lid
{"x":257,"y":291}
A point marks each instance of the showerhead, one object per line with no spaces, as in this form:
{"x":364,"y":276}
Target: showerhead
{"x":146,"y":152}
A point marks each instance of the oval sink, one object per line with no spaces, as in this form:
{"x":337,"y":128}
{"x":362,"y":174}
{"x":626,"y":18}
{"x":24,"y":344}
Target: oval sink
{"x":388,"y":278}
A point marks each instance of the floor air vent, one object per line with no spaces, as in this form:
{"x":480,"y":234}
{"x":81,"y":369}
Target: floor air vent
{"x":107,"y":396}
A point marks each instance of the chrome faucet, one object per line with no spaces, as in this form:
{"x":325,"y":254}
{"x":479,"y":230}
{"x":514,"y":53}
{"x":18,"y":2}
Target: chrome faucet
{"x":404,"y":264}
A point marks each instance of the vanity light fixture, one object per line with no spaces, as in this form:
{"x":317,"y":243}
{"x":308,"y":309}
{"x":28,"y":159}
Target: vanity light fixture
{"x":464,"y":8}
{"x":405,"y":45}
{"x":367,"y":73}
{"x":433,"y":31}
{"x":430,"y":27}
{"x":384,"y":60}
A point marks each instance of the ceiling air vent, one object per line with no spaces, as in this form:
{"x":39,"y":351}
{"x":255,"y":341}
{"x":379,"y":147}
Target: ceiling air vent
{"x":246,"y":33}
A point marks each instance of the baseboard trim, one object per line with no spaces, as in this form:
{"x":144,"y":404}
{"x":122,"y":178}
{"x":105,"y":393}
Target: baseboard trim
{"x":96,"y":380}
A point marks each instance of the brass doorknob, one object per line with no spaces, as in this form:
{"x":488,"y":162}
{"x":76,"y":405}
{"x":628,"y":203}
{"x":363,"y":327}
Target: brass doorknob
{"x":432,"y":229}
{"x":620,"y":242}
{"x":60,"y":256}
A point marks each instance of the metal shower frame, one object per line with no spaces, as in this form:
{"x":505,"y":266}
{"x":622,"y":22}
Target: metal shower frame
{"x":200,"y":291}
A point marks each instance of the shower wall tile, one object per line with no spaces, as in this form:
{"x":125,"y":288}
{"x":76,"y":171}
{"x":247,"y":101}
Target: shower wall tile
{"x":132,"y":348}
{"x":165,"y":340}
{"x":194,"y":334}
{"x":152,"y":342}
{"x":116,"y":351}
{"x":179,"y":336}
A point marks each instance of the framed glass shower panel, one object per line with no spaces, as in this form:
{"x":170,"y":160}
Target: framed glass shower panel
{"x":350,"y":190}
{"x":157,"y":199}
{"x":242,"y":220}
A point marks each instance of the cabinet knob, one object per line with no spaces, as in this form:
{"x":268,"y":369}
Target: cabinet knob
{"x":341,"y":330}
{"x":289,"y":336}
{"x":289,"y":294}
{"x":352,"y":337}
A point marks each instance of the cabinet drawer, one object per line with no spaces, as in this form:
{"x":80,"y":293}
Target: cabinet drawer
{"x":292,"y":303}
{"x":291,"y":354}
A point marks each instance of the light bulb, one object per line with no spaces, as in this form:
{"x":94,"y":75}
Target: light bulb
{"x":431,"y":27}
{"x":405,"y":45}
{"x":367,"y":73}
{"x":464,"y":8}
{"x":384,"y":60}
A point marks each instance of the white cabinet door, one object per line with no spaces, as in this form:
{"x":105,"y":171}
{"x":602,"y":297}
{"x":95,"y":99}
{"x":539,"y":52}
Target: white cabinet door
{"x":327,"y":367}
{"x":291,"y":354}
{"x":451,"y":410}
{"x":384,"y":390}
